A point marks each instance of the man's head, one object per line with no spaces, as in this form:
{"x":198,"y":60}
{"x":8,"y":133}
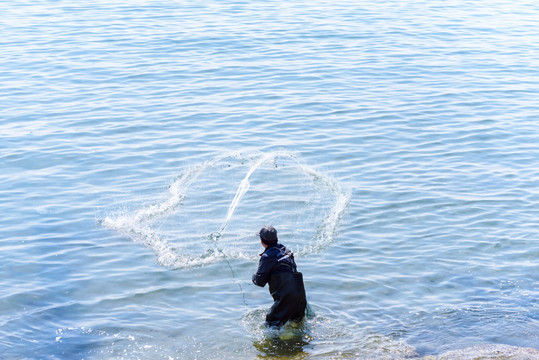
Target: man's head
{"x":268,"y":235}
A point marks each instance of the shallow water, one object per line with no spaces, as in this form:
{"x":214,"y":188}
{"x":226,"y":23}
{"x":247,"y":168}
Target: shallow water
{"x":393,"y":145}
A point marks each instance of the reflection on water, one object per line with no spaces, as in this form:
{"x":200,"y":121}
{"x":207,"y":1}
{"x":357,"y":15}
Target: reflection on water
{"x":288,"y":342}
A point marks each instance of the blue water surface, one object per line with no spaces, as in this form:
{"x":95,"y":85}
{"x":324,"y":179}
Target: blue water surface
{"x":393,"y":144}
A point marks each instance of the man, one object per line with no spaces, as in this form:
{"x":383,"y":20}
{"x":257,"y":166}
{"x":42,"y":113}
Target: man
{"x":278,"y":268}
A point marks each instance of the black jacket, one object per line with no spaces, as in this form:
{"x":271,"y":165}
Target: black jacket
{"x":269,"y":264}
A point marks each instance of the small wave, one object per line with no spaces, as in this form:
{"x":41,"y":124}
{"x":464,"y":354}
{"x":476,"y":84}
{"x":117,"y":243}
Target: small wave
{"x":491,"y":352}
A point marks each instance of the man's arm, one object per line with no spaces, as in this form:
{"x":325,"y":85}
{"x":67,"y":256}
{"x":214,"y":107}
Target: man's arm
{"x":264,"y":269}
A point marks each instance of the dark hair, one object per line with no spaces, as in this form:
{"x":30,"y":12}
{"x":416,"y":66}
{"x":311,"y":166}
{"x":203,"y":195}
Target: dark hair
{"x":268,"y":235}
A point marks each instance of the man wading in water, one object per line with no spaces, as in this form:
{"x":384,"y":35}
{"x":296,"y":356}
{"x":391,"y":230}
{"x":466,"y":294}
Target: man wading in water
{"x":278,"y":268}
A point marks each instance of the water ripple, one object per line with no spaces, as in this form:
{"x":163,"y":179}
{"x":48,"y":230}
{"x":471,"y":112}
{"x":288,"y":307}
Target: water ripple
{"x":416,"y":223}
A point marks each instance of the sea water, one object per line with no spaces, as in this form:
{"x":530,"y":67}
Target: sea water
{"x":393,"y":144}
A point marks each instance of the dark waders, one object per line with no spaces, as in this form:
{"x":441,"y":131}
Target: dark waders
{"x":288,"y":292}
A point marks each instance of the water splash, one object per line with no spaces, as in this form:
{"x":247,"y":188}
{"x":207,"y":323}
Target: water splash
{"x":328,"y":334}
{"x":242,"y":189}
{"x":140,"y":225}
